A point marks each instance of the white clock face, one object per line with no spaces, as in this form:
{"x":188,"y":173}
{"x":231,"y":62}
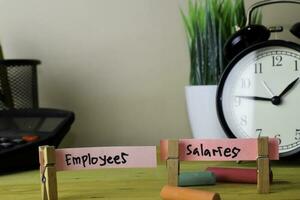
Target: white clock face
{"x":261,"y":96}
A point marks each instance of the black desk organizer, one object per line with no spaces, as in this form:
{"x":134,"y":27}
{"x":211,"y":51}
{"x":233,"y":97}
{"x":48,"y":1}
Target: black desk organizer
{"x":23,"y":125}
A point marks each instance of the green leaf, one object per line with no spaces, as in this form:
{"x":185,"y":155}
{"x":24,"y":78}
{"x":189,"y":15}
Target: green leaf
{"x":208,"y":25}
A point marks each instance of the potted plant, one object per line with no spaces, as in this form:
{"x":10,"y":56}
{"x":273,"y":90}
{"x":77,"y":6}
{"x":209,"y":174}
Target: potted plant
{"x":208,"y":24}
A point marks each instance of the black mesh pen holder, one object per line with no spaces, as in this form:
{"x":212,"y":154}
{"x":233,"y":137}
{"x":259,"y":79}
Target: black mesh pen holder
{"x":18,"y":84}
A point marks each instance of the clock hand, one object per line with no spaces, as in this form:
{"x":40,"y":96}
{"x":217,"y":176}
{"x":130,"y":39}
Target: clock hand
{"x":256,"y":98}
{"x":268,"y":89}
{"x":290,"y":86}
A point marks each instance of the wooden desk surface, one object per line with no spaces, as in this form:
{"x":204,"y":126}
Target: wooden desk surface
{"x":145,"y":184}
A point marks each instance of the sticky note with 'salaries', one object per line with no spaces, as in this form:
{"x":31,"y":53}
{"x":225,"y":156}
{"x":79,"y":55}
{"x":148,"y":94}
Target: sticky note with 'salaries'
{"x":219,"y":149}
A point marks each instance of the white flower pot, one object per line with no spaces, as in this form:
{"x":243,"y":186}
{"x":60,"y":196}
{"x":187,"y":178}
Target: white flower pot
{"x":201,"y":106}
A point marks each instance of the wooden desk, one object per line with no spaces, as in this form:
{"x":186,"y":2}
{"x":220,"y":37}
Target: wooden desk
{"x":145,"y":184}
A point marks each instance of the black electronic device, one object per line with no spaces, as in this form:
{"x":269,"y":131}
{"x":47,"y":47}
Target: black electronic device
{"x":23,"y":131}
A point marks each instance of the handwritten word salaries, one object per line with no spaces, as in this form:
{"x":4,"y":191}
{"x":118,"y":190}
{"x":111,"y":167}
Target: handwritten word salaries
{"x":219,"y":151}
{"x":89,"y":160}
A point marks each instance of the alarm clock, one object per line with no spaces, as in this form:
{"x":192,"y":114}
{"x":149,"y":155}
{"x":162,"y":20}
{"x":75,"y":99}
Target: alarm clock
{"x":259,"y":91}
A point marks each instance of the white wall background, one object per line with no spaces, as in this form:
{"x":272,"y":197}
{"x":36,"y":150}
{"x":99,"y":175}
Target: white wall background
{"x":121,"y":66}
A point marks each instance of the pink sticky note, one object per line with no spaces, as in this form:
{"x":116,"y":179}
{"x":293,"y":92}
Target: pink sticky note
{"x":105,"y":157}
{"x":220,"y":149}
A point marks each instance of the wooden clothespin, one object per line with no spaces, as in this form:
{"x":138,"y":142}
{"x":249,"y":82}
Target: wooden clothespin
{"x":48,"y":173}
{"x":173,"y":162}
{"x":263,"y":166}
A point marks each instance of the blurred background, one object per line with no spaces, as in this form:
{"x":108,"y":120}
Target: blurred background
{"x":121,"y":66}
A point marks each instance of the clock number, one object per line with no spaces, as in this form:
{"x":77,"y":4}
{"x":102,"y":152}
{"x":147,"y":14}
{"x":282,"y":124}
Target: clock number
{"x":246,"y":83}
{"x":237,"y":101}
{"x":278,"y":137}
{"x":276,"y":61}
{"x":296,"y":65}
{"x":297,"y":136}
{"x":244,"y":120}
{"x":258,"y":68}
{"x":258,"y":132}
